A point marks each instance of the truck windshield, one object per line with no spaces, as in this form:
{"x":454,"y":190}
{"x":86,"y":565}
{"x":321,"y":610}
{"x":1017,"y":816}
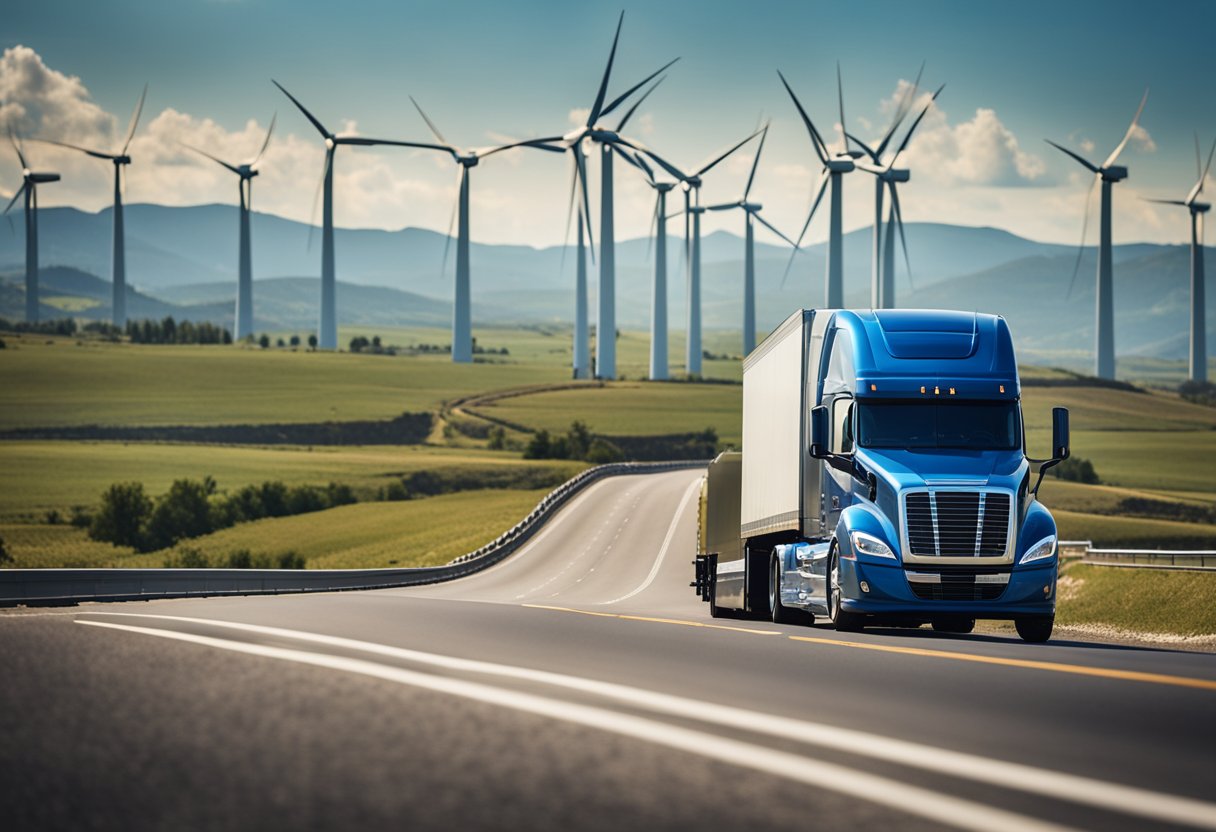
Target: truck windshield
{"x":972,"y":425}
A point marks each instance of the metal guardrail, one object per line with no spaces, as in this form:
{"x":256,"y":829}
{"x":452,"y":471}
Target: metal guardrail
{"x":1153,"y":558}
{"x":70,"y":586}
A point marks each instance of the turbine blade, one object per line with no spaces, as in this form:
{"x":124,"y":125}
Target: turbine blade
{"x":629,"y":113}
{"x":646,"y":168}
{"x":654,"y":224}
{"x":869,"y":150}
{"x":434,"y":130}
{"x":620,"y":99}
{"x":1089,"y":198}
{"x":1110,"y":160}
{"x":569,"y":213}
{"x":363,"y":142}
{"x":723,"y":206}
{"x":816,"y":140}
{"x":1198,"y":158}
{"x":320,"y":127}
{"x":581,"y":167}
{"x":461,"y":173}
{"x":538,"y":144}
{"x":844,"y":136}
{"x":139,"y":108}
{"x":671,"y":169}
{"x":751,"y":177}
{"x":901,"y":112}
{"x":316,"y":200}
{"x":95,"y":153}
{"x":1181,"y":202}
{"x":12,"y":137}
{"x":266,"y":142}
{"x":209,"y":156}
{"x":707,"y":168}
{"x":13,"y":201}
{"x":1203,"y":177}
{"x":597,"y":107}
{"x":823,"y":186}
{"x":771,"y":227}
{"x":899,"y":225}
{"x":907,"y":138}
{"x":1088,"y":165}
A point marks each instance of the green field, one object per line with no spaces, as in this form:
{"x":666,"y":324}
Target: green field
{"x":408,"y":533}
{"x":1131,"y":599}
{"x":1150,"y":447}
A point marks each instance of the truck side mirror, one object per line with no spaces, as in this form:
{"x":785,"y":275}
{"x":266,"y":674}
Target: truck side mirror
{"x":1059,"y":433}
{"x":819,"y":431}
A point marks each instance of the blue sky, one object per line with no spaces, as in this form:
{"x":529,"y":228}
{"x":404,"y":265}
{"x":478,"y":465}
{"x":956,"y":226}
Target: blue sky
{"x":1015,"y":74}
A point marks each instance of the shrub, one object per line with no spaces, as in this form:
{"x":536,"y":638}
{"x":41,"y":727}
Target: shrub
{"x":1076,"y":469}
{"x":123,"y":514}
{"x":53,"y":517}
{"x":290,"y":560}
{"x":187,"y":557}
{"x":312,"y":342}
{"x":184,"y":511}
{"x":539,"y":446}
{"x":394,"y":491}
{"x":240,"y":559}
{"x":602,"y":451}
{"x":498,"y":438}
{"x":5,"y":556}
{"x":81,"y":518}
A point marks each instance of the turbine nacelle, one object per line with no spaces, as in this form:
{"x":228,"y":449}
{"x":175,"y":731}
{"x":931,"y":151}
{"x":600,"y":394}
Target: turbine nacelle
{"x":122,"y":160}
{"x":839,"y":165}
{"x":751,"y":207}
{"x":1114,"y":173}
{"x":39,"y":178}
{"x":603,"y":136}
{"x":895,"y":175}
{"x":247,"y":171}
{"x":1199,"y":207}
{"x":469,"y":160}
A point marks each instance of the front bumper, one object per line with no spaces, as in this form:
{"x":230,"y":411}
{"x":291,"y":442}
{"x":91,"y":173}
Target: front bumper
{"x":891,"y":594}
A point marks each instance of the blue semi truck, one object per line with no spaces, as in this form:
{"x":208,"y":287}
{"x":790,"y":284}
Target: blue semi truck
{"x":883,"y":479}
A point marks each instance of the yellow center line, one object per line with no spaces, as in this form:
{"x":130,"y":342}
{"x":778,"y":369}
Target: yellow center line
{"x":678,"y":621}
{"x":1056,"y":667}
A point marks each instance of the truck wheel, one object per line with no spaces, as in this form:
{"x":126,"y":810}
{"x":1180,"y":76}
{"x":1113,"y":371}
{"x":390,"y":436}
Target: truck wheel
{"x":781,"y":613}
{"x":846,"y":622}
{"x":954,"y":625}
{"x":714,"y":610}
{"x":1036,"y":629}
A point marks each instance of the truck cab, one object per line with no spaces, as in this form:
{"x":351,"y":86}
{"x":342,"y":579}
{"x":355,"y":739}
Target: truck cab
{"x":884,"y":477}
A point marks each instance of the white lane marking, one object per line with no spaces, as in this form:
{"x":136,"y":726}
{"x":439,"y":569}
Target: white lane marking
{"x":695,"y":485}
{"x":903,"y":798}
{"x":1055,"y":784}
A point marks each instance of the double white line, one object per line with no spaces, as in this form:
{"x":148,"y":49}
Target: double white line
{"x":872,"y":788}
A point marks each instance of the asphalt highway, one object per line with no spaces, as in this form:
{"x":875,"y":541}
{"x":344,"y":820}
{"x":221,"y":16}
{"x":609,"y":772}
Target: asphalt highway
{"x":580,"y":684}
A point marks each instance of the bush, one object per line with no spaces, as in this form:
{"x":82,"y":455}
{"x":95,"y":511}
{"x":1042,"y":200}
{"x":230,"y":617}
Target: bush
{"x":290,"y":560}
{"x":240,"y":559}
{"x":187,"y":558}
{"x":394,"y":491}
{"x":498,"y":438}
{"x":123,"y":514}
{"x":5,"y":556}
{"x":1199,"y":392}
{"x":81,"y":518}
{"x":539,"y":446}
{"x":602,"y":452}
{"x":185,"y":511}
{"x":1076,"y":469}
{"x":53,"y":517}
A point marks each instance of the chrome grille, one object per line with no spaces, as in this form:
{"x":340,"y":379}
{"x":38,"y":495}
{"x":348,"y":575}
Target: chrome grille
{"x":952,"y":524}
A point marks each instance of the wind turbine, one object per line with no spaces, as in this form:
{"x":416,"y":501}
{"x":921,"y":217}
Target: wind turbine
{"x":882,"y":287}
{"x":1199,"y":345}
{"x":119,"y":302}
{"x":834,"y":168}
{"x":327,"y":337}
{"x":658,"y":296}
{"x":609,"y":141}
{"x":244,"y":283}
{"x":29,"y":187}
{"x":691,"y":184}
{"x":751,"y":211}
{"x":462,"y":317}
{"x":1108,"y":174}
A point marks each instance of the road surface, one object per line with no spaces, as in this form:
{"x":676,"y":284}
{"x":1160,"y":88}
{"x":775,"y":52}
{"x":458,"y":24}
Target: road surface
{"x":581,"y":685}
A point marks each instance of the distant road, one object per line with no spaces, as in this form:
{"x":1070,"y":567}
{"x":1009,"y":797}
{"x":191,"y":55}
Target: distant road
{"x":581,"y":685}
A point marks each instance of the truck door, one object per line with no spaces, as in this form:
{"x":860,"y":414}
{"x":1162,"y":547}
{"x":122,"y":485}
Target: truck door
{"x":838,"y":384}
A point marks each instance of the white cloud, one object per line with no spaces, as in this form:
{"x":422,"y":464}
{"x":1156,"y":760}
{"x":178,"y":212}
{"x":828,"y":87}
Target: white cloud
{"x":1142,"y":141}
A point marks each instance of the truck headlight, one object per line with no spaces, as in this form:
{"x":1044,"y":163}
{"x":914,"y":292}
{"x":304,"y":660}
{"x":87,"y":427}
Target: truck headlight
{"x":1045,"y":548}
{"x":868,"y":544}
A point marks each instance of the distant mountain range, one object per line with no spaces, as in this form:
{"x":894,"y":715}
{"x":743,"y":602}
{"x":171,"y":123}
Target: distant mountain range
{"x":181,"y":262}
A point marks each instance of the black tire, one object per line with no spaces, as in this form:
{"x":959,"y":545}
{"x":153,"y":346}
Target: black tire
{"x":953,"y":624}
{"x":1035,"y":629}
{"x":845,"y":622}
{"x":758,"y":580}
{"x":781,"y":614}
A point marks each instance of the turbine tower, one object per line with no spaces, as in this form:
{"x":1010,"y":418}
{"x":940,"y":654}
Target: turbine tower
{"x":1199,"y":345}
{"x":327,"y":336}
{"x":609,"y":140}
{"x":119,"y":302}
{"x":658,"y":295}
{"x":29,"y":187}
{"x":462,"y":316}
{"x":691,"y":184}
{"x":751,"y":211}
{"x":244,"y":282}
{"x":1108,"y":174}
{"x":887,"y":176}
{"x":834,"y":168}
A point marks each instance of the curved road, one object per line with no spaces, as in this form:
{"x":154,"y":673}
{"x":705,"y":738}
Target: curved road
{"x":581,"y":685}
